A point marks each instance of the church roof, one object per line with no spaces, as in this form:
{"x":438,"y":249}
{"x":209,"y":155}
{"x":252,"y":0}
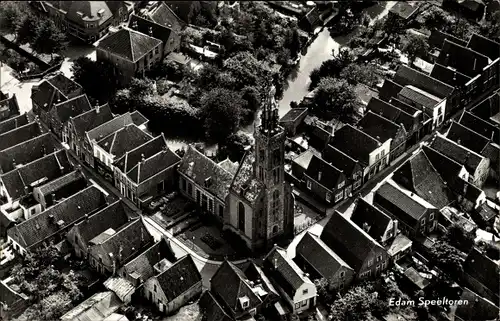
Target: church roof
{"x":244,"y":183}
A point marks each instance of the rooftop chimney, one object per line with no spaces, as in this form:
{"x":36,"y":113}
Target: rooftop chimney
{"x":319,"y":176}
{"x":150,"y":31}
{"x":142,"y":158}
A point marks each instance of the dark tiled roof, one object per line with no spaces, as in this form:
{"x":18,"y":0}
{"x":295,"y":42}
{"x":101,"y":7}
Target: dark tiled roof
{"x":244,"y":183}
{"x":409,"y":76}
{"x":211,"y":309}
{"x":17,"y":182}
{"x":480,"y":126}
{"x":91,"y":119}
{"x":72,"y":107}
{"x":465,"y":60}
{"x":378,"y":127}
{"x":449,"y":76}
{"x":483,"y":269}
{"x":285,"y":272}
{"x":457,"y":152}
{"x":123,"y":140}
{"x":471,"y":192}
{"x":150,"y":28}
{"x":130,"y":159}
{"x":13,"y":123}
{"x":144,"y":263}
{"x":322,"y":258}
{"x":375,"y":220}
{"x":396,"y":202}
{"x":478,"y":308}
{"x":179,"y":278}
{"x":113,"y":216}
{"x":182,"y":8}
{"x":486,"y":212}
{"x":348,"y":240}
{"x":65,"y":85}
{"x":354,"y":143}
{"x":492,"y":152}
{"x":88,"y":9}
{"x":153,"y":165}
{"x":485,"y":46}
{"x":19,"y":135}
{"x":404,"y":9}
{"x":45,"y":95}
{"x":124,"y":244}
{"x":9,"y":108}
{"x":403,"y":106}
{"x":199,"y":168}
{"x":466,"y":137}
{"x":8,"y":296}
{"x":129,"y":44}
{"x":447,"y":168}
{"x":437,"y":38}
{"x":389,"y":89}
{"x":138,"y":118}
{"x":109,"y":127}
{"x":340,"y":160}
{"x":391,"y":112}
{"x":61,"y":182}
{"x":57,"y":217}
{"x":488,"y":107}
{"x":418,"y":175}
{"x":324,"y":173}
{"x":293,"y":114}
{"x":163,"y":15}
{"x":419,"y":97}
{"x":27,"y":151}
{"x":229,"y":284}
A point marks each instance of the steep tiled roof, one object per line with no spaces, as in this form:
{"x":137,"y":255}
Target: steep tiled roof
{"x":419,"y":97}
{"x":465,"y":60}
{"x":182,"y":8}
{"x":229,"y":284}
{"x":57,"y":217}
{"x":447,"y":168}
{"x":138,"y":118}
{"x":480,"y":126}
{"x":8,"y":296}
{"x":293,"y":114}
{"x":97,"y":307}
{"x":409,"y":76}
{"x":199,"y":168}
{"x":19,"y":135}
{"x":285,"y":271}
{"x":488,"y":108}
{"x":485,"y":46}
{"x":466,"y":137}
{"x":483,"y":269}
{"x":91,"y":119}
{"x":389,"y":89}
{"x":27,"y":151}
{"x":113,"y":216}
{"x":124,"y":244}
{"x":109,"y":127}
{"x":17,"y":182}
{"x":391,"y":112}
{"x":89,"y":9}
{"x":228,"y":165}
{"x":340,"y":160}
{"x":374,"y":219}
{"x":396,"y":202}
{"x":348,"y":240}
{"x":324,"y":173}
{"x":123,"y":140}
{"x":62,"y":182}
{"x":322,"y":258}
{"x":245,"y":183}
{"x":457,"y":152}
{"x":437,"y":39}
{"x":403,"y":106}
{"x":13,"y":123}
{"x":65,"y":85}
{"x":129,"y":44}
{"x":45,"y":95}
{"x":9,"y":108}
{"x":211,"y":309}
{"x":404,"y":9}
{"x":179,"y":278}
{"x":150,"y":28}
{"x":354,"y":143}
{"x":478,"y":308}
{"x":153,"y":165}
{"x":143,"y":264}
{"x":163,"y":15}
{"x":134,"y":156}
{"x":72,"y":107}
{"x":492,"y":152}
{"x":378,"y":127}
{"x":449,"y":76}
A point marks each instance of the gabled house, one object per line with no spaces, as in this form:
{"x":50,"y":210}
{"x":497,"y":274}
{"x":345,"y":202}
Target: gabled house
{"x":356,"y":247}
{"x":292,"y":120}
{"x":60,"y":188}
{"x":449,"y":76}
{"x":20,"y":134}
{"x":110,"y":250}
{"x":51,"y":224}
{"x":480,"y":126}
{"x":61,"y":112}
{"x":317,"y":259}
{"x":170,"y":39}
{"x":27,"y":151}
{"x":325,"y":181}
{"x":110,"y":219}
{"x":374,"y":222}
{"x":132,"y":52}
{"x":8,"y":108}
{"x":146,"y":171}
{"x":211,"y":309}
{"x":174,"y":286}
{"x":349,"y":166}
{"x":415,"y":216}
{"x":466,"y":137}
{"x":384,"y":130}
{"x":370,"y":152}
{"x":293,"y":283}
{"x":431,"y":105}
{"x":165,"y":16}
{"x":489,"y":109}
{"x":53,"y":90}
{"x":75,"y":128}
{"x":482,"y":274}
{"x":477,"y":165}
{"x":98,"y":307}
{"x":13,"y":123}
{"x":204,"y":181}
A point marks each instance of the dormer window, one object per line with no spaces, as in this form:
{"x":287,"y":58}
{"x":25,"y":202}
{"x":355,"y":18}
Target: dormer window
{"x":244,"y":302}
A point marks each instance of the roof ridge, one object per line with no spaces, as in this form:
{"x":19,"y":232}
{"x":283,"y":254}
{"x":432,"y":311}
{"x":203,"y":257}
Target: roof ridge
{"x":365,"y":134}
{"x":467,"y":128}
{"x":385,"y":119}
{"x":456,"y":44}
{"x":23,"y":126}
{"x":426,"y":75}
{"x":210,"y":160}
{"x":42,"y":135}
{"x":185,"y":257}
{"x":373,"y":241}
{"x":70,"y":100}
{"x":127,"y":225}
{"x":109,"y":121}
{"x":461,"y":146}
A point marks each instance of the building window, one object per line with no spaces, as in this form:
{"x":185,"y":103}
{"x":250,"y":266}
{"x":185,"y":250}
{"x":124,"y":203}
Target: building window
{"x":304,"y":303}
{"x":156,"y":50}
{"x":423,"y":221}
{"x":221,"y":210}
{"x":276,"y":205}
{"x":342,"y":274}
{"x":276,"y":175}
{"x":370,"y":262}
{"x":198,"y":197}
{"x":328,"y":197}
{"x":304,"y":292}
{"x":190,"y":189}
{"x":155,"y":287}
{"x":183,"y":183}
{"x":339,"y":196}
{"x":379,"y":258}
{"x":341,"y":184}
{"x":261,"y":174}
{"x":431,"y":217}
{"x":276,"y":157}
{"x":309,"y":184}
{"x":297,"y":305}
{"x":211,"y":205}
{"x":241,"y":216}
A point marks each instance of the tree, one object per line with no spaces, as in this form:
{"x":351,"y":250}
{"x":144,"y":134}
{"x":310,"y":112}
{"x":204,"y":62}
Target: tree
{"x":332,"y":67}
{"x":355,"y":305}
{"x":448,"y":258}
{"x":234,"y":147}
{"x":393,"y":25}
{"x":459,"y":238}
{"x":49,"y":39}
{"x":416,"y":47}
{"x":356,"y":73}
{"x":12,"y":13}
{"x":293,"y":42}
{"x":26,"y":31}
{"x":335,"y":98}
{"x":221,"y":113}
{"x":99,"y":79}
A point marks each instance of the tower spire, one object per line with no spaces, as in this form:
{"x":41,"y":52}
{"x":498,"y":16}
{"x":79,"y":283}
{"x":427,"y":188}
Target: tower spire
{"x":269,"y":116}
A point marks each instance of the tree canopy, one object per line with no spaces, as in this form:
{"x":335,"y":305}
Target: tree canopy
{"x":416,"y":46}
{"x":335,"y":98}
